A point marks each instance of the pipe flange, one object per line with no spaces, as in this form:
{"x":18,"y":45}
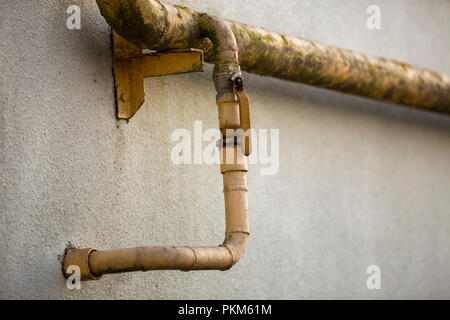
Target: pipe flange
{"x":80,"y":258}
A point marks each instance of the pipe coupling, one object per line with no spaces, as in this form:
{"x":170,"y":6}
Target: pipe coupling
{"x":79,"y":258}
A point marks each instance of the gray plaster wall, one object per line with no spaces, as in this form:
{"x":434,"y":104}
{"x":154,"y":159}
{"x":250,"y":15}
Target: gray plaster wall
{"x":360,"y":182}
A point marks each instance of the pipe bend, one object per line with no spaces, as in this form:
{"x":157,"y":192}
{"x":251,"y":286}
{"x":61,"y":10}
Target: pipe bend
{"x":236,"y":243}
{"x":97,"y":263}
{"x":152,"y":24}
{"x":225,"y":46}
{"x":93,"y":263}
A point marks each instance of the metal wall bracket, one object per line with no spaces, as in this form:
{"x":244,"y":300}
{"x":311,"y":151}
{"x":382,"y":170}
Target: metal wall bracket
{"x":131,"y":66}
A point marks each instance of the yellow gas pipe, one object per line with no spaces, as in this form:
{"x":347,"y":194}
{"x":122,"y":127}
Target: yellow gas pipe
{"x":154,"y":25}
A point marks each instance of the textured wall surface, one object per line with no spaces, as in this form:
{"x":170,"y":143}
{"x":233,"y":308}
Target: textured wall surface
{"x":360,"y":182}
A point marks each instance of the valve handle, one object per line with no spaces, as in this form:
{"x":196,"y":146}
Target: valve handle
{"x":244,"y":111}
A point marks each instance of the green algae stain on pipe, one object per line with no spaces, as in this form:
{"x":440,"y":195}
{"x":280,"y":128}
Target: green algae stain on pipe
{"x":295,"y":59}
{"x":154,"y":25}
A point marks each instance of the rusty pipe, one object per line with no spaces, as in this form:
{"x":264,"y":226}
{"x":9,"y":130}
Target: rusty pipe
{"x":155,"y":25}
{"x":94,"y":264}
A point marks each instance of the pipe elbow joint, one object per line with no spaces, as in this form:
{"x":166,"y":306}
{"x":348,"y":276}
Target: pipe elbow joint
{"x":225,"y":46}
{"x":236,"y":244}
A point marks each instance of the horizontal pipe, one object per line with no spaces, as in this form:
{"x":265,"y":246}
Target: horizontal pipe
{"x":295,"y":59}
{"x":184,"y":258}
{"x":158,"y":26}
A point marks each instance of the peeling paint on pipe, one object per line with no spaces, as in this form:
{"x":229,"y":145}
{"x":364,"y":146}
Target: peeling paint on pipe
{"x":154,"y":25}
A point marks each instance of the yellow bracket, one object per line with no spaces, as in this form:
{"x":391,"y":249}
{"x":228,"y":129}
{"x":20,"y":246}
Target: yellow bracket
{"x":131,"y":66}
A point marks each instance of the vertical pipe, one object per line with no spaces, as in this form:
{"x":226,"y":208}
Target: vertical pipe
{"x":97,"y":263}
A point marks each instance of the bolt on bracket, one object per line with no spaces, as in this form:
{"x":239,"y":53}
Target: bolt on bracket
{"x":131,"y":66}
